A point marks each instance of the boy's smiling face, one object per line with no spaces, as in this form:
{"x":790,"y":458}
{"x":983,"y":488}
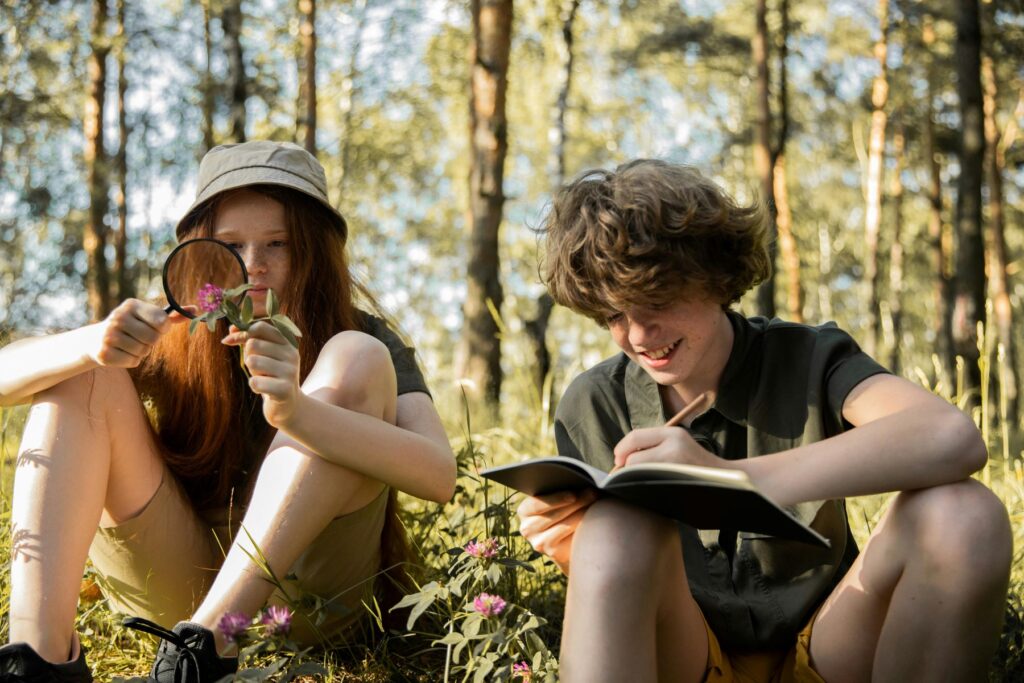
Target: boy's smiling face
{"x":685,"y":343}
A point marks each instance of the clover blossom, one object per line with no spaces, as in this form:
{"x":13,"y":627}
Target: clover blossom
{"x":277,"y":619}
{"x":521,"y":670}
{"x":489,"y":605}
{"x":233,"y":625}
{"x":486,"y":549}
{"x":210,"y":297}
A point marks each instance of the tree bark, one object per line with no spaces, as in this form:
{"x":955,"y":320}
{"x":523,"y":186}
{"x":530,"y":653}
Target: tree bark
{"x":537,"y":328}
{"x":121,"y":270}
{"x":939,"y":235}
{"x":873,"y":181}
{"x":489,"y":58}
{"x":95,"y":242}
{"x":969,"y":306}
{"x":345,"y":143}
{"x":999,"y":284}
{"x":763,"y":164}
{"x":231,"y":20}
{"x":307,"y":75}
{"x":784,"y":218}
{"x":896,"y":252}
{"x":207,"y":83}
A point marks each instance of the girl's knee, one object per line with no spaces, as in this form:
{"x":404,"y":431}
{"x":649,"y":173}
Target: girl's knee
{"x":355,"y":371}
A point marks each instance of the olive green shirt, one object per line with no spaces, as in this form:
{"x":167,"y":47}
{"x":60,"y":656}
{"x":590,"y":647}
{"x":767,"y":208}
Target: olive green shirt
{"x":407,"y":370}
{"x":783,"y":386}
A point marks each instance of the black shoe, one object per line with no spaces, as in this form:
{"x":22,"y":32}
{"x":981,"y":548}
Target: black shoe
{"x":188,"y":653}
{"x":19,"y":663}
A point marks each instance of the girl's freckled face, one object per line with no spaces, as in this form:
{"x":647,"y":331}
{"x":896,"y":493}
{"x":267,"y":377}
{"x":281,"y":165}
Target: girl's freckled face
{"x":254,"y":225}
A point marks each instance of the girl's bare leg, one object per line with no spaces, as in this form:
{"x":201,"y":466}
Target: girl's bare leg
{"x":87,"y":453}
{"x":629,"y":615}
{"x":297,"y":492}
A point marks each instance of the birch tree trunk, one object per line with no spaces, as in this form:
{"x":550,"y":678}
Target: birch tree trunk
{"x":873,"y":181}
{"x":97,"y":165}
{"x":480,"y":356}
{"x":969,"y":306}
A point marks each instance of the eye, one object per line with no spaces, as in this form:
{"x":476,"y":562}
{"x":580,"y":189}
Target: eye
{"x":279,"y":243}
{"x":237,"y":246}
{"x":613,"y":319}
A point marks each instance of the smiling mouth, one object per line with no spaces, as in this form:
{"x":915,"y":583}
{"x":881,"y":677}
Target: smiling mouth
{"x":658,"y":354}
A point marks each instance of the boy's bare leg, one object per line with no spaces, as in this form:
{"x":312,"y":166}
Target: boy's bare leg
{"x":925,"y":599}
{"x":629,"y":615}
{"x":87,"y":451}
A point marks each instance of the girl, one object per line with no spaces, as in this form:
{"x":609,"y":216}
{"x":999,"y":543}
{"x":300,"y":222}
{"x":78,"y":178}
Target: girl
{"x":307,"y":452}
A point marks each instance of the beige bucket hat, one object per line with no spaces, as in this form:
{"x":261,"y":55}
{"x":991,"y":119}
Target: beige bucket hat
{"x":259,"y":162}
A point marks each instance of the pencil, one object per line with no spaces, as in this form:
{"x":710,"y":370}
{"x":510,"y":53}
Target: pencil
{"x":688,"y":409}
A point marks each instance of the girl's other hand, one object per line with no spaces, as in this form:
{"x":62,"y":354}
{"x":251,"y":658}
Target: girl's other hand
{"x":548,"y":523}
{"x":124,"y":338}
{"x":274,"y":366}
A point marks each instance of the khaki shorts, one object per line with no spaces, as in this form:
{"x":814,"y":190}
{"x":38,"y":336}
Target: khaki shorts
{"x":160,"y":564}
{"x":781,"y":666}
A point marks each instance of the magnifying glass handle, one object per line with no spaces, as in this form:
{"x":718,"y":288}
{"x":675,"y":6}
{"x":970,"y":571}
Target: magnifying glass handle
{"x":168,"y":308}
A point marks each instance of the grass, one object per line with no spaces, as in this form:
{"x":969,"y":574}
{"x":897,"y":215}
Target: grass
{"x":531,"y":584}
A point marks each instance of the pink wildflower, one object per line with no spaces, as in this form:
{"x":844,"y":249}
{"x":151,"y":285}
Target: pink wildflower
{"x":233,"y":625}
{"x":521,"y":670}
{"x":486,"y":549}
{"x":489,"y":605}
{"x":210,"y":297}
{"x":277,"y":619}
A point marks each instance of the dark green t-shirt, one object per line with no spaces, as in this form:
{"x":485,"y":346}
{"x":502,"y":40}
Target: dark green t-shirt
{"x":403,"y":357}
{"x":783,"y":386}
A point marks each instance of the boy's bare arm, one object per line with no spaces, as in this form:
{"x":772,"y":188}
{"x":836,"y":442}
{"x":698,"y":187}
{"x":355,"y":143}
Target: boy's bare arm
{"x":905,"y":438}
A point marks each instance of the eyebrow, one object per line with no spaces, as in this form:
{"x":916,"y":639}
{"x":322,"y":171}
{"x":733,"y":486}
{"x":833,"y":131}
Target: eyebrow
{"x":232,"y":232}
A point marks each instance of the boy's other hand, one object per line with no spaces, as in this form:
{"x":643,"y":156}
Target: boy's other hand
{"x":663,"y":444}
{"x":548,"y":523}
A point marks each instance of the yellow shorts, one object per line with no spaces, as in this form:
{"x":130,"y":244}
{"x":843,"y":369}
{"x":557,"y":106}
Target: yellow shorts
{"x":777,"y":666}
{"x":160,"y":564}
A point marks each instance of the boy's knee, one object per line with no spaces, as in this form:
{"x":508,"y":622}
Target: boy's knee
{"x":356,"y":369}
{"x":960,"y":529}
{"x":619,"y":545}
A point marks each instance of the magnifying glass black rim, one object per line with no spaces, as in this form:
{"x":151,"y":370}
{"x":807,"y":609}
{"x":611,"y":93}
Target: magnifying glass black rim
{"x":172,"y":304}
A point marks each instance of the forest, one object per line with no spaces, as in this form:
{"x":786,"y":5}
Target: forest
{"x":884,"y":137}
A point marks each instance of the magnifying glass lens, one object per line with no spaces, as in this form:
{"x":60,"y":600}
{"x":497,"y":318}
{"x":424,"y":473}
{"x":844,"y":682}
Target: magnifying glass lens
{"x":198,"y":272}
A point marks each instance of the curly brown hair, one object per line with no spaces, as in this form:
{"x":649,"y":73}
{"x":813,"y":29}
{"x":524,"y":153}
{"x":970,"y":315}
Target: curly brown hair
{"x":646,"y":232}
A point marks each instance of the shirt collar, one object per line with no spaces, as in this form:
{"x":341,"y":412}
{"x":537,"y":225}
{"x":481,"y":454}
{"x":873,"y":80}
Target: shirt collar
{"x":740,"y":373}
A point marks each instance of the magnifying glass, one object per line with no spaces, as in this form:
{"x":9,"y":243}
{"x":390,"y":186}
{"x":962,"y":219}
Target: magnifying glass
{"x":198,"y":273}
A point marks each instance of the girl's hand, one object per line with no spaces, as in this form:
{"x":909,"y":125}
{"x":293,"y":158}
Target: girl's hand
{"x":124,"y":338}
{"x":663,"y":444}
{"x":274,"y":366}
{"x":548,"y":523}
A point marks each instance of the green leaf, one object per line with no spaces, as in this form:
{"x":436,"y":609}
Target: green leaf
{"x":211,"y":324}
{"x":285,"y":332}
{"x":195,"y":322}
{"x":452,"y":638}
{"x":235,"y":291}
{"x":247,"y":310}
{"x":271,"y":303}
{"x":232,"y":312}
{"x":284,"y":320}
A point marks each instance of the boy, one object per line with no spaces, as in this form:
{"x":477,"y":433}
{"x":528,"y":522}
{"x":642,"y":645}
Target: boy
{"x":658,"y":253}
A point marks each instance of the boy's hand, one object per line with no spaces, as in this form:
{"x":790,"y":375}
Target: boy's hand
{"x":274,"y":364}
{"x":125,"y":336}
{"x":663,"y":444}
{"x":548,"y":523}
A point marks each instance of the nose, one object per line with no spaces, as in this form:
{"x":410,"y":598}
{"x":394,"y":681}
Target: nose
{"x":640,"y":330}
{"x":254,"y":259}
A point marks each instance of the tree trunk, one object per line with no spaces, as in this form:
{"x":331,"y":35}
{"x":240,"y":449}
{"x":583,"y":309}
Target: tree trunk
{"x":999,"y":285}
{"x":95,"y":242}
{"x":896,"y":253}
{"x":207,"y":83}
{"x":345,"y":143}
{"x":489,"y":56}
{"x":873,"y":182}
{"x":939,"y":235}
{"x":124,"y":279}
{"x":537,"y":328}
{"x":969,"y":306}
{"x":762,"y":150}
{"x":784,"y":218}
{"x":307,"y":75}
{"x":231,"y":20}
